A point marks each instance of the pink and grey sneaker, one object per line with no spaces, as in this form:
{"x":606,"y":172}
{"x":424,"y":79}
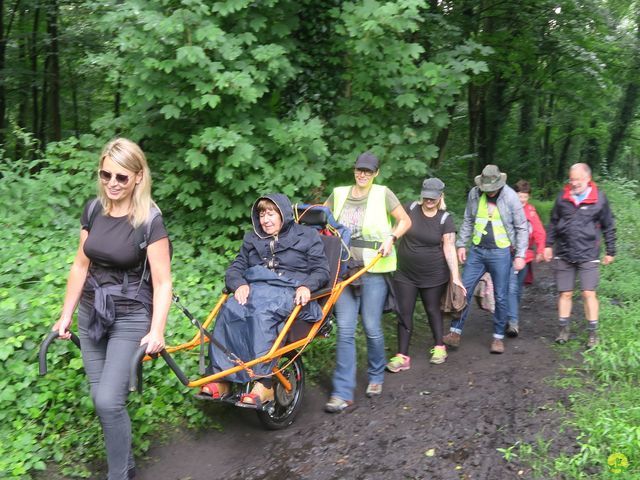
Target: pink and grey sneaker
{"x":399,"y":363}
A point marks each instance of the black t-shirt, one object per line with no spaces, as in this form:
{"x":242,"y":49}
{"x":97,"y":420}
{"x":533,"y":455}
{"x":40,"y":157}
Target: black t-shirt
{"x":421,"y":259}
{"x":111,"y":247}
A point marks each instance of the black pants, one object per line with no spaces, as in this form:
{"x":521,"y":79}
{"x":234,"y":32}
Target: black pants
{"x":406,"y":296}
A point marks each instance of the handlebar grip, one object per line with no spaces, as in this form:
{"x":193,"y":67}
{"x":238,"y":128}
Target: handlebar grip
{"x":135,"y":374}
{"x":44,"y":347}
{"x":135,"y":377}
{"x":174,"y":366}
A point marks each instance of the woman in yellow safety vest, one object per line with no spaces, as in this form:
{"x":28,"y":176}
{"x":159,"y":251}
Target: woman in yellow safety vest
{"x":367,"y":210}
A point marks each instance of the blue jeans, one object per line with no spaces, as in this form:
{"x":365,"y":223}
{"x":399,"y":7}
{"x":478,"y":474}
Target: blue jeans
{"x":516,"y":282}
{"x":370,"y":303}
{"x":496,"y":261}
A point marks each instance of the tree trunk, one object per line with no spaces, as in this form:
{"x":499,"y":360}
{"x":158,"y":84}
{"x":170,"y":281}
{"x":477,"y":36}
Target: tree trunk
{"x":547,"y":149}
{"x":35,"y":114}
{"x":563,"y":160}
{"x":73,"y":82}
{"x":525,"y":129}
{"x":53,"y":57}
{"x":42,"y":128}
{"x":442,"y":140}
{"x":474,"y":93}
{"x":470,"y":27}
{"x":628,"y":105}
{"x":496,"y":112}
{"x":481,"y":139}
{"x":117,"y":99}
{"x":591,"y":152}
{"x":3,"y":93}
{"x":4,"y":37}
{"x":23,"y":108}
{"x":625,"y":116}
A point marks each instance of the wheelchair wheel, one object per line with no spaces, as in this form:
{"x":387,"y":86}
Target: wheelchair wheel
{"x":284,"y":409}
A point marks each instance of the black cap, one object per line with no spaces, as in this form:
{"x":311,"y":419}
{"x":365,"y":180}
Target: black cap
{"x":432,"y":188}
{"x":368,"y":161}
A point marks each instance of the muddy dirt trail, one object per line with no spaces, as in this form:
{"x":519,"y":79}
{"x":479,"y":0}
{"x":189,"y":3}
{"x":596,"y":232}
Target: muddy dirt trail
{"x":431,"y":422}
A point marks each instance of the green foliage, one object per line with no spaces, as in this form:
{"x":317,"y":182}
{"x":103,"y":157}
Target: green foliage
{"x":213,"y":83}
{"x":207,"y":78}
{"x":397,"y":110}
{"x":543,"y":207}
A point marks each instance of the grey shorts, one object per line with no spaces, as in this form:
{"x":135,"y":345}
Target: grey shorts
{"x":588,"y":272}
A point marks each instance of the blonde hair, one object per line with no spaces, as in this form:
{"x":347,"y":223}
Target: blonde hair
{"x":441,"y":204}
{"x":129,"y":155}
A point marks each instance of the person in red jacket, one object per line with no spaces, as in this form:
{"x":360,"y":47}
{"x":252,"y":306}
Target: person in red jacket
{"x":537,"y":238}
{"x":580,"y":216}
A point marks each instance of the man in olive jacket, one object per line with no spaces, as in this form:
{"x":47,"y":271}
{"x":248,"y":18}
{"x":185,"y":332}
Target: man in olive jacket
{"x":495,"y":222}
{"x":580,"y":216}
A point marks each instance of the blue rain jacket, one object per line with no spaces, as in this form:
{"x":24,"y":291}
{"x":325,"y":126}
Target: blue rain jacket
{"x":273,"y":267}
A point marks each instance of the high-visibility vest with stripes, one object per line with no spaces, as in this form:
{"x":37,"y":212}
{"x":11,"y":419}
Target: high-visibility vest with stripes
{"x":376,"y":225}
{"x":482,"y":218}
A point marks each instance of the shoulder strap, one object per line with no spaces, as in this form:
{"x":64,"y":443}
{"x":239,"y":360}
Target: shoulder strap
{"x":94,"y":210}
{"x":444,"y":218}
{"x":413,"y":205}
{"x":143,"y":232}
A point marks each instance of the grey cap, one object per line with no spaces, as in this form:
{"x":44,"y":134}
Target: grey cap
{"x":491,"y":179}
{"x":369,"y":161}
{"x":432,"y":188}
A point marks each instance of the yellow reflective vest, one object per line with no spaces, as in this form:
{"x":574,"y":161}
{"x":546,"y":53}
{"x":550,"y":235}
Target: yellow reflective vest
{"x":482,"y":218}
{"x":376,"y":224}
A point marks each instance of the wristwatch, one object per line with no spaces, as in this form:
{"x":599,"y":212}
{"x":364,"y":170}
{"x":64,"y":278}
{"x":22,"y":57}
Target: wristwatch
{"x":393,"y":237}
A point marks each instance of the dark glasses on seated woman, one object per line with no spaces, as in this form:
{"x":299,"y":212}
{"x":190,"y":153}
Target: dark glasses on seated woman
{"x":121,"y":178}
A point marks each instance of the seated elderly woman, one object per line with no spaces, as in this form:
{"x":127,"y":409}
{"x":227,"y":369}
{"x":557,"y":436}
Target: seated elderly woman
{"x":280,"y":263}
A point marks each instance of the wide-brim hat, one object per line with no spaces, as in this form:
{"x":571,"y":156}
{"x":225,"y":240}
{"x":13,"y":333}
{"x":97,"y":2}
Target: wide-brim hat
{"x":491,"y":179}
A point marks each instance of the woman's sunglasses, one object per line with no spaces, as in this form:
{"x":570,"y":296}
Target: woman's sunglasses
{"x":121,"y":178}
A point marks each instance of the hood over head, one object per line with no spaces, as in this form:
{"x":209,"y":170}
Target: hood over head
{"x":286,"y":212}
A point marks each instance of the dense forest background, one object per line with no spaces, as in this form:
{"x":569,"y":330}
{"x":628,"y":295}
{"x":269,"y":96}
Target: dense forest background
{"x":284,"y":94}
{"x":231,"y":99}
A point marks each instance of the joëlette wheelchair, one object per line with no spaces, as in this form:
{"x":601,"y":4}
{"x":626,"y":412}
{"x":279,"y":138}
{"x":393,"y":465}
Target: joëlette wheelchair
{"x":288,"y":371}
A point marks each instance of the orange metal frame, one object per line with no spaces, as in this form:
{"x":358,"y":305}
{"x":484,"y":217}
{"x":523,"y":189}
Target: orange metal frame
{"x":276,"y":350}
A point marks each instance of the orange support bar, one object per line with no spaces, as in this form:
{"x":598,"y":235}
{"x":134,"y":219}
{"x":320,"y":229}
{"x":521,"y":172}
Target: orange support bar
{"x":276,"y":350}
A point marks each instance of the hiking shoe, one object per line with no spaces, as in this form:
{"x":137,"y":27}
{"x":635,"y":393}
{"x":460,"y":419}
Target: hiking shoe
{"x":336,"y":405}
{"x":593,"y":340}
{"x":497,"y":346}
{"x":438,"y":355}
{"x":399,"y":363}
{"x":512,"y":330}
{"x":452,"y":339}
{"x":563,"y":336}
{"x":374,"y":389}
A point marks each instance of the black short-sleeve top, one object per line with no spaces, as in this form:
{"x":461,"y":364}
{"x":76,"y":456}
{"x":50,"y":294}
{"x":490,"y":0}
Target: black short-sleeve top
{"x":421,"y":260}
{"x":111,"y":247}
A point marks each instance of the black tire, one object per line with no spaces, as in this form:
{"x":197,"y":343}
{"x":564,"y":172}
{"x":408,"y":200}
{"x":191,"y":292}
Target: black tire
{"x":286,"y":404}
